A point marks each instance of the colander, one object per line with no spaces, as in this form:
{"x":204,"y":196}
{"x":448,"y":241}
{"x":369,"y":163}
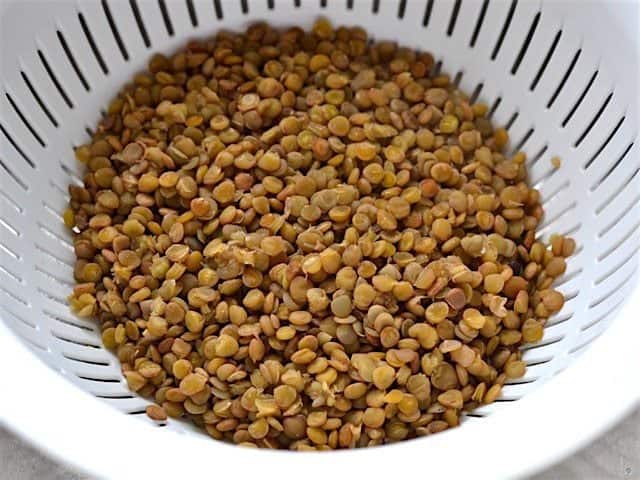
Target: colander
{"x":561,"y":76}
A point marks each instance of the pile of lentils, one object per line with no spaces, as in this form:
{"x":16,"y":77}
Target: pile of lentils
{"x":305,"y":240}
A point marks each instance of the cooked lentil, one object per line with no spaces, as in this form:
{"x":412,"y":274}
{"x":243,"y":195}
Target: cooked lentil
{"x":303,"y":240}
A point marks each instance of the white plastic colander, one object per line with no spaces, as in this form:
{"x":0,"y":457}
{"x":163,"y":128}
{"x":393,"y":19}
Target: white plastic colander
{"x":562,"y":77}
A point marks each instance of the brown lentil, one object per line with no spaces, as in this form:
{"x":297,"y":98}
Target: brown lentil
{"x":308,"y":241}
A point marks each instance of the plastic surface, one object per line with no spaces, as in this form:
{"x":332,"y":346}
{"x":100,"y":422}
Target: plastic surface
{"x":559,"y":86}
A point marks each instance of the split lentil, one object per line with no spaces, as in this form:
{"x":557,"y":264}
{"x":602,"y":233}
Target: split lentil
{"x":304,"y":240}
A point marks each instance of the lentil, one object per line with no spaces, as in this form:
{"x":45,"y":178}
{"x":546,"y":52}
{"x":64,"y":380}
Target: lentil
{"x":308,"y":241}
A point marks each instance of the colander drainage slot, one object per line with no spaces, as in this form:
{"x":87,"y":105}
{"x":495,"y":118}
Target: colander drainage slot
{"x":402,"y":5}
{"x":458,"y":78}
{"x":26,"y":124}
{"x":15,"y":297}
{"x":427,"y":13}
{"x":52,"y":297}
{"x":165,"y":17}
{"x":476,"y":30}
{"x":538,"y":156}
{"x":62,"y":241}
{"x":521,"y":382}
{"x":61,"y":191}
{"x":525,"y":45}
{"x":543,"y":343}
{"x":11,"y":203}
{"x":140,"y":23}
{"x":564,"y":79}
{"x":30,"y":340}
{"x":82,"y":344}
{"x":602,"y":317}
{"x":11,"y":275}
{"x":548,"y":198}
{"x":624,"y":186}
{"x":38,"y":100}
{"x":55,"y":258}
{"x":54,"y":278}
{"x":49,"y":209}
{"x":523,"y":141}
{"x":583,"y":345}
{"x":217,"y":6}
{"x":91,"y":362}
{"x":193,"y":16}
{"x":619,"y":286}
{"x":454,"y":17}
{"x":535,"y":363}
{"x":10,"y":228}
{"x":604,"y":145}
{"x":504,"y":399}
{"x":114,"y":30}
{"x":10,"y":252}
{"x":595,"y":119}
{"x":545,"y":62}
{"x":580,"y":99}
{"x":101,"y":380}
{"x":436,"y":67}
{"x":72,"y":61}
{"x":567,"y":277}
{"x":494,"y":107}
{"x":504,"y":30}
{"x":68,"y":322}
{"x":92,"y":44}
{"x":618,"y":267}
{"x":15,"y":146}
{"x":54,"y":79}
{"x":21,"y":319}
{"x":559,"y":320}
{"x":115,"y":396}
{"x":619,"y":242}
{"x":476,"y":93}
{"x":511,"y":120}
{"x":540,"y":179}
{"x":612,"y":169}
{"x":570,"y":232}
{"x":624,"y":212}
